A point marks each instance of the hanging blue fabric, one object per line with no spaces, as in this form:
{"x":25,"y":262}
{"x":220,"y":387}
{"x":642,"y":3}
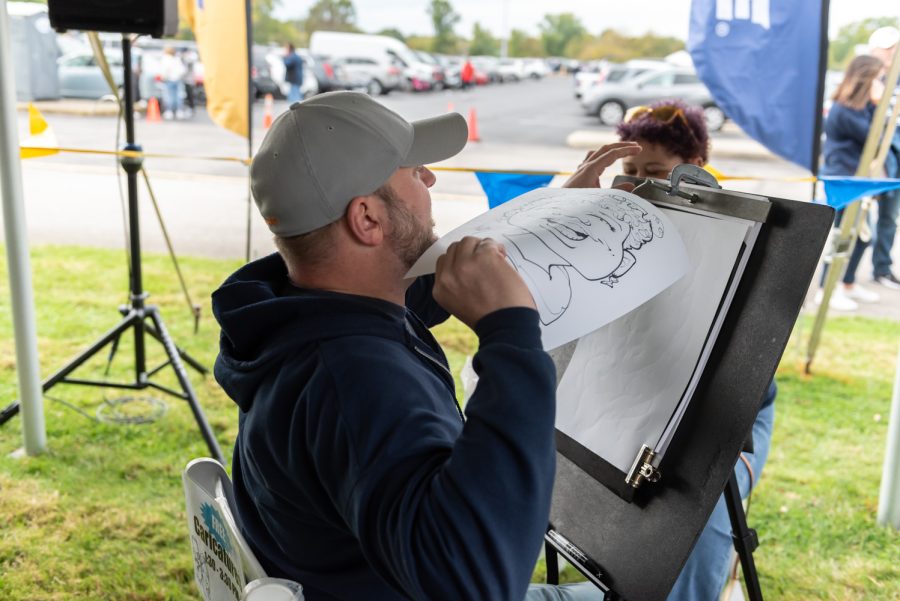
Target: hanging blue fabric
{"x":501,"y":187}
{"x":841,"y":190}
{"x":761,"y":61}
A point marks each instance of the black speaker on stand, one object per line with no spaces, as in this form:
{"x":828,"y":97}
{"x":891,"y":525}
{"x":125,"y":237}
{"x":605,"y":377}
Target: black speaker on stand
{"x":157,"y":18}
{"x":154,"y":17}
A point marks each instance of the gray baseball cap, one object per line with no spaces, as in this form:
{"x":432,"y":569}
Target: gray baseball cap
{"x":325,"y":151}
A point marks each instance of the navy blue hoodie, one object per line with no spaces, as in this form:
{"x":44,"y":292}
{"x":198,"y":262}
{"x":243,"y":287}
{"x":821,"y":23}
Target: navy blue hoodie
{"x":354,"y":471}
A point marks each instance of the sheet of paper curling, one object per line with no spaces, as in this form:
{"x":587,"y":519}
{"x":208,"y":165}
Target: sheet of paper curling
{"x":588,"y":256}
{"x":626,"y":380}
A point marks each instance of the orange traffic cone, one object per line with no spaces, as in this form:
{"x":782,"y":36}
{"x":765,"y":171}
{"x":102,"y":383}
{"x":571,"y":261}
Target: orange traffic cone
{"x":267,"y":114}
{"x":153,"y":115}
{"x":473,"y":126}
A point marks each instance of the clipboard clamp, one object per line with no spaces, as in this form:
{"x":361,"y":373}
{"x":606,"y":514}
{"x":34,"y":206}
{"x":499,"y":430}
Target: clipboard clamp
{"x":683,"y":174}
{"x":643,"y":469}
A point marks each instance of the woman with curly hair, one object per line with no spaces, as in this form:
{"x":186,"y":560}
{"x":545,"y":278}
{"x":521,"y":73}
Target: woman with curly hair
{"x":669,"y":133}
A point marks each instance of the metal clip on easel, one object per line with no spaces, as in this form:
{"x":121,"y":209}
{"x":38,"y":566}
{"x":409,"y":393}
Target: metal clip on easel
{"x":687,"y":174}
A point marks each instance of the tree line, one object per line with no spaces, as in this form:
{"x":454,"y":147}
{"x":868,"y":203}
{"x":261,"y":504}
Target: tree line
{"x":560,"y":35}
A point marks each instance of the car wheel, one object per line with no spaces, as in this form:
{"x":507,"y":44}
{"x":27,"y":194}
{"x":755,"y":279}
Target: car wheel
{"x":611,"y":112}
{"x":715,"y":117}
{"x":374,"y":88}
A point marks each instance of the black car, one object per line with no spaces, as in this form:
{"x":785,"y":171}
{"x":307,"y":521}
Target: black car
{"x":261,"y":82}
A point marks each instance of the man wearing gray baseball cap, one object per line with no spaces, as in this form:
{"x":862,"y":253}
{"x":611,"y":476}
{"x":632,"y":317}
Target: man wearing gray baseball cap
{"x":355,"y":472}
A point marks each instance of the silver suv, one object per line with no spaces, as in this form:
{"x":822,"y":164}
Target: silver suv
{"x":611,"y":99}
{"x":376,"y":74}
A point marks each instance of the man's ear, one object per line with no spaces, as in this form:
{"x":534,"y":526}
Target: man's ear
{"x":365,"y":218}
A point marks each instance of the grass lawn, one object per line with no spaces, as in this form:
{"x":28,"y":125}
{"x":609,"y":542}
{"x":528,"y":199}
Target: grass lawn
{"x":101,"y":515}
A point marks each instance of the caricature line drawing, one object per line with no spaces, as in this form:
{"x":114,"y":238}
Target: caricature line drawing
{"x":550,"y":243}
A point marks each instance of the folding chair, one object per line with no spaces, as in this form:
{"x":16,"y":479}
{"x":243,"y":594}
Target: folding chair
{"x":224,"y":565}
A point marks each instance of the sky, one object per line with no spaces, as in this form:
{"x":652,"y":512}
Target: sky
{"x":634,"y":17}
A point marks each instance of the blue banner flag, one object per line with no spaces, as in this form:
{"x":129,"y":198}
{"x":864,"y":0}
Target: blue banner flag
{"x":841,"y":190}
{"x":763,"y":62}
{"x":501,"y":187}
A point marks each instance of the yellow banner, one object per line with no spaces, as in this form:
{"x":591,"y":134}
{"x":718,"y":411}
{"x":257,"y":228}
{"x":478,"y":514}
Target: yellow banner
{"x":220,"y":27}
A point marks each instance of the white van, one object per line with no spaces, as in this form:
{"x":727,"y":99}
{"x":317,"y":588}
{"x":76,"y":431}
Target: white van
{"x":380,"y":63}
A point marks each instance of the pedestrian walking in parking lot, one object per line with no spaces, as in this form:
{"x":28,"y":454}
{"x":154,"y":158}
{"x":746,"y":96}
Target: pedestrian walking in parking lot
{"x":293,"y":73}
{"x":172,"y":73}
{"x":467,"y":74}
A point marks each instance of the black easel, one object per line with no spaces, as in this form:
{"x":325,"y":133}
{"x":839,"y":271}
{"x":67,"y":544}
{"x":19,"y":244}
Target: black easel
{"x":745,"y":539}
{"x":135,"y":313}
{"x":745,"y":542}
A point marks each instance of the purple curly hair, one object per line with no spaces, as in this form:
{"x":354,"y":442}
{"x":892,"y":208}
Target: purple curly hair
{"x":687,"y":138}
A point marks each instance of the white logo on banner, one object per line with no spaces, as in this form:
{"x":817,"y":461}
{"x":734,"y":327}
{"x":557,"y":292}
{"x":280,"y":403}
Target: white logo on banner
{"x":755,"y":11}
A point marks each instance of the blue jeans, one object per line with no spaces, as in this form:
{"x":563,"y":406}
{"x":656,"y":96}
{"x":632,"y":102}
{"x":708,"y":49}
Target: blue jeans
{"x":173,"y":96}
{"x":855,"y":257}
{"x":703,"y":576}
{"x":583,"y":591}
{"x":294,"y":94}
{"x":888,"y":207}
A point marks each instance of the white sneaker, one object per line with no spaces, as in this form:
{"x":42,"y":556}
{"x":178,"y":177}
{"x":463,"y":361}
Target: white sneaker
{"x":889,"y":281}
{"x":168,"y":115}
{"x":863,"y":295}
{"x":839,"y":301}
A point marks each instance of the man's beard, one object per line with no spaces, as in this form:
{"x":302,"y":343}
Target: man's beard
{"x":409,"y":236}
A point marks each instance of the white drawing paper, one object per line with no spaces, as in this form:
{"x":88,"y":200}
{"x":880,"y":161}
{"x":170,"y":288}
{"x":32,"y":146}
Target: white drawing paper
{"x":588,"y":256}
{"x":626,"y":380}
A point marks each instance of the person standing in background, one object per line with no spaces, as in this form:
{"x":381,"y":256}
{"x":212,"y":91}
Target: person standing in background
{"x":172,"y":73}
{"x":882,"y":45}
{"x":293,"y":73}
{"x":467,"y":74}
{"x":846,"y":130}
{"x":189,"y":81}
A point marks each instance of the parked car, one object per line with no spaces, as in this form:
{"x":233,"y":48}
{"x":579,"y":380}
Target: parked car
{"x":490,"y":66}
{"x":367,"y":73}
{"x":535,"y":68}
{"x":262,"y":80}
{"x":379,"y":59}
{"x":611,"y":100}
{"x":512,"y":69}
{"x":81,"y":77}
{"x":451,"y":65}
{"x":328,"y":77}
{"x":613,"y":73}
{"x":438,"y":75}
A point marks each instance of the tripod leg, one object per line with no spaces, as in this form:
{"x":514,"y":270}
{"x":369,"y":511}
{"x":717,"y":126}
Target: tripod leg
{"x":180,"y":373}
{"x":181,"y":352}
{"x":111,"y":336}
{"x":745,"y":540}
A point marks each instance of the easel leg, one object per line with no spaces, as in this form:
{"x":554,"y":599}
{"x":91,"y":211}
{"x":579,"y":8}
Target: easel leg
{"x":551,"y":559}
{"x":745,"y":540}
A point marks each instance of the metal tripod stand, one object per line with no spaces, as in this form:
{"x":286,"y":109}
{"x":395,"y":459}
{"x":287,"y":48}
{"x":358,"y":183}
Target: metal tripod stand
{"x":136,"y":314}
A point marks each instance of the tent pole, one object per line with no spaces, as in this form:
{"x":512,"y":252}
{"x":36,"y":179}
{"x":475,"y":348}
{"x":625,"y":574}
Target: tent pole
{"x":27,"y":366}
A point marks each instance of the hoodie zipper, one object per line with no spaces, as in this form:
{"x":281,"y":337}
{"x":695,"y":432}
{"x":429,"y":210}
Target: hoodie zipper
{"x":444,"y":370}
